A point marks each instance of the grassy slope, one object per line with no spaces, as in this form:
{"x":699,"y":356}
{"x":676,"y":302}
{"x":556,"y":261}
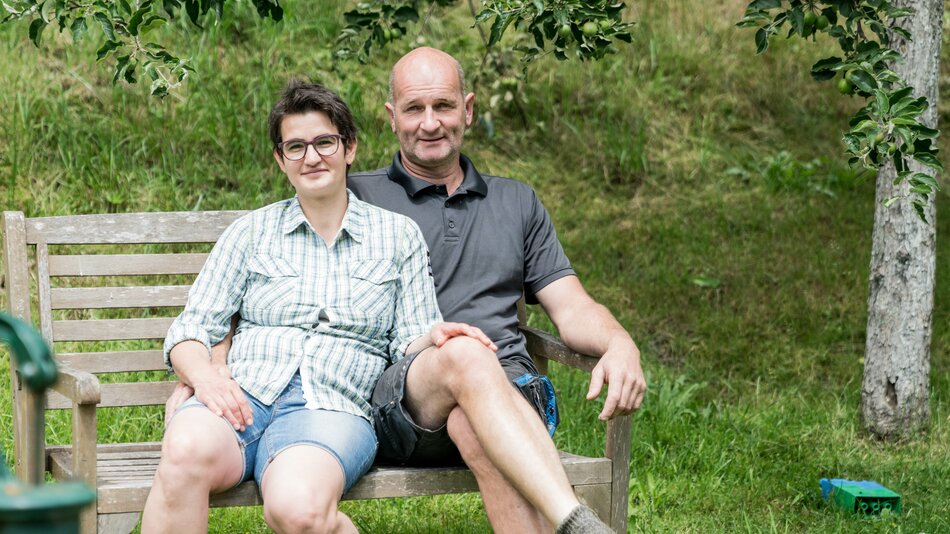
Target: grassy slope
{"x":683,"y":159}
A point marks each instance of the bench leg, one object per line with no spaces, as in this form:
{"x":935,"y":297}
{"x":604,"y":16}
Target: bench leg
{"x":597,"y":497}
{"x":118,"y":523}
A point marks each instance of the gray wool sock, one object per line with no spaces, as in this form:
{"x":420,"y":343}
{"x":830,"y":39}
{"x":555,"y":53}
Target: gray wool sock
{"x":582,"y":520}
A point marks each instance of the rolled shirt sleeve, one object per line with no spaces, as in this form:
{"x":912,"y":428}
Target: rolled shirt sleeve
{"x":216,"y":293}
{"x":416,"y":306}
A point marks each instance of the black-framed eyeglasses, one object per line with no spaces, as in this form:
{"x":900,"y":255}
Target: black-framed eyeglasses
{"x":296,"y":149}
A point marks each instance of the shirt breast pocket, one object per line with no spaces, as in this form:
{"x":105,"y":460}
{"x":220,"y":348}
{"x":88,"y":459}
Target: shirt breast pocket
{"x":271,"y":287}
{"x":373,"y":288}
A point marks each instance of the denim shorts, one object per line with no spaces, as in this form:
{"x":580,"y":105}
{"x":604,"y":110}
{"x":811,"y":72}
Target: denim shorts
{"x":287,"y":423}
{"x":403,"y":442}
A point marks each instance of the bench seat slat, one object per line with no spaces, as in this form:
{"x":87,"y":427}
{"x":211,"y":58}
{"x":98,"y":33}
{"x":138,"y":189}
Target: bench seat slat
{"x":64,"y":298}
{"x":128,"y":394}
{"x":125,"y":264}
{"x":127,"y":493}
{"x":111,"y":329}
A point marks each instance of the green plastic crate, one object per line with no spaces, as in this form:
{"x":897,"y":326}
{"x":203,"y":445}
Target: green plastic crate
{"x":860,"y":496}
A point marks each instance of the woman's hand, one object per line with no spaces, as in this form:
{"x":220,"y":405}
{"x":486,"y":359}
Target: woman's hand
{"x":442,"y":332}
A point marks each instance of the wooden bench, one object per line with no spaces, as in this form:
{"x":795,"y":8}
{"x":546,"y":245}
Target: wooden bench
{"x":98,"y":288}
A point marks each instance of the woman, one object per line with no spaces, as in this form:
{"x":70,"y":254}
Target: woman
{"x":330,"y":290}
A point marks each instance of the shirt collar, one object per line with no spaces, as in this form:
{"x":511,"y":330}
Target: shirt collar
{"x":471,"y":183}
{"x":353,"y":220}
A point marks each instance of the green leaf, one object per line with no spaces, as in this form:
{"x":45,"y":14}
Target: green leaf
{"x":919,"y":208}
{"x":159,"y":88}
{"x":761,"y":5}
{"x":761,"y":41}
{"x":150,"y":23}
{"x":929,"y":160}
{"x":193,"y":10}
{"x":136,"y":20}
{"x":498,"y":28}
{"x":888,"y":201}
{"x":107,"y":48}
{"x":924,"y":132}
{"x":106,"y":24}
{"x":925,"y":180}
{"x":825,"y":69}
{"x":78,"y":29}
{"x":406,"y":14}
{"x":121,"y":64}
{"x":864,"y":81}
{"x":36,"y":31}
{"x":48,"y":11}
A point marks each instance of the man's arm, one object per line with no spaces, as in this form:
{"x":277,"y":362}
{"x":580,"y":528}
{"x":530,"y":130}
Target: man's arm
{"x":588,"y":327}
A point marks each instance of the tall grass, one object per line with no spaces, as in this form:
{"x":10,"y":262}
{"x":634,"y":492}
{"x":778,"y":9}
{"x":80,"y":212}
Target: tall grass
{"x":698,"y":189}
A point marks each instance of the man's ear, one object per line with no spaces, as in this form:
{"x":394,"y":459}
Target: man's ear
{"x":279,"y":159}
{"x":469,"y":108}
{"x":392,"y":116}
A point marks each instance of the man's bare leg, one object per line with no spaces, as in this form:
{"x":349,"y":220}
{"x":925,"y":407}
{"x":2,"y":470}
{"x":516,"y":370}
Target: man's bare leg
{"x":464,"y":373}
{"x":508,"y":511}
{"x":200,"y":456}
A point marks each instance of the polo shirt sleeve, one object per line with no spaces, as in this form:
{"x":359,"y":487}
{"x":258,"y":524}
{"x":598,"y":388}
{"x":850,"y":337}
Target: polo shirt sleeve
{"x":544,"y":260}
{"x":216,"y":293}
{"x":416,"y":306}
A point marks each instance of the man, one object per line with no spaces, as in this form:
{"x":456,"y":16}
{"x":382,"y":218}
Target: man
{"x":490,"y":241}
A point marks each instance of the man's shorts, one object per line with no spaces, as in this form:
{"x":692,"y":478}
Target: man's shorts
{"x":287,"y":423}
{"x":403,"y":442}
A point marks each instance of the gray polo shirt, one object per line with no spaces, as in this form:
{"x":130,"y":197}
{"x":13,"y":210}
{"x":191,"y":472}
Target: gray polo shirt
{"x":489,"y":242}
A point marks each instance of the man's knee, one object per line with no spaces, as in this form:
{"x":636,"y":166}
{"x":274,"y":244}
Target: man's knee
{"x":468,"y":358}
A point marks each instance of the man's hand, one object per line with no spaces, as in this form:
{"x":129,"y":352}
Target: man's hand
{"x":442,"y":332}
{"x":620,"y":369}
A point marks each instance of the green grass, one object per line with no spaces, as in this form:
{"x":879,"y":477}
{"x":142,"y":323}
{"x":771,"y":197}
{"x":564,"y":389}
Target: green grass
{"x":699,"y":190}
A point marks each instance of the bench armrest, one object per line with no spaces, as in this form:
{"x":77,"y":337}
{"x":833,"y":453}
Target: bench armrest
{"x":78,"y":386}
{"x":544,"y":345}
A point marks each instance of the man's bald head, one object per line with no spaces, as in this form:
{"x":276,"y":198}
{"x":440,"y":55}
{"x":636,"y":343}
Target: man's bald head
{"x":427,"y":58}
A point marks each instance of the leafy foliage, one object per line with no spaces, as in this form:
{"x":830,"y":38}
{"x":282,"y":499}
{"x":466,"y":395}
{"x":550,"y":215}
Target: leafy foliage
{"x":888,"y":128}
{"x":124,"y":29}
{"x":584,"y":28}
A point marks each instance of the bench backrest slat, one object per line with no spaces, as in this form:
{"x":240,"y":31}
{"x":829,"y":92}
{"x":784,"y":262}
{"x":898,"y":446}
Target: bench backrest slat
{"x":118,"y":297}
{"x":113,"y":361}
{"x":127,"y":228}
{"x":111,"y":329}
{"x":126,"y":264}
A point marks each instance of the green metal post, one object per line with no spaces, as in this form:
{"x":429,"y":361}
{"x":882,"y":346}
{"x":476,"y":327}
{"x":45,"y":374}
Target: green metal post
{"x":43,"y":508}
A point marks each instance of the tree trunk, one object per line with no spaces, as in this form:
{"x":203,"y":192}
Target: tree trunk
{"x":894,"y":394}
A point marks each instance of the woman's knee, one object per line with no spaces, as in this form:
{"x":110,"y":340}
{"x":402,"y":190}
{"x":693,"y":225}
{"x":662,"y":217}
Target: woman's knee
{"x":197,"y":447}
{"x":303,"y":514}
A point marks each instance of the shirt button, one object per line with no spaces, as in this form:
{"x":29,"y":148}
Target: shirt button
{"x":451,"y":225}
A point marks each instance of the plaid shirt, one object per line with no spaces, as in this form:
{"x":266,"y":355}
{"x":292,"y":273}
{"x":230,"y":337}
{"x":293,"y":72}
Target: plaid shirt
{"x":339,"y":313}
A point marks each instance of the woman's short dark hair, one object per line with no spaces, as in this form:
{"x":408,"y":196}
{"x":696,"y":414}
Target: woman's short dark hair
{"x":301,"y":97}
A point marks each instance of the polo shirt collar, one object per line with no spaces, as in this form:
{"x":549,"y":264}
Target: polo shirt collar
{"x":354,"y":220}
{"x":471,"y":183}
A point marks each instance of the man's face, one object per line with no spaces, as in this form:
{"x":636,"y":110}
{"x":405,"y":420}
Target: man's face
{"x":314,"y":177}
{"x":429,"y":115}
